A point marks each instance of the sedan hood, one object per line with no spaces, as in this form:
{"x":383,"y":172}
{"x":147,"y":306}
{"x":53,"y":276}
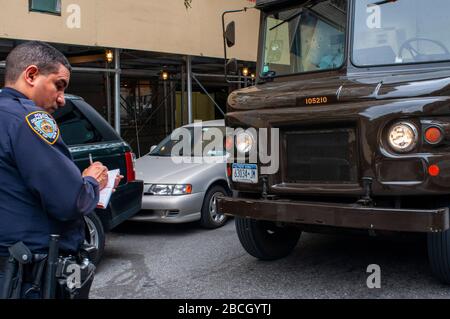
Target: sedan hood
{"x":165,"y":170}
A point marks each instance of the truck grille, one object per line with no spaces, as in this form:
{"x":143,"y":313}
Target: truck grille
{"x":321,"y":156}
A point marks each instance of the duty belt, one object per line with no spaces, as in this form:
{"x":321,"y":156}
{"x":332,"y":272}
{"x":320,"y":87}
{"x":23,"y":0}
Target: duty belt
{"x":50,"y":275}
{"x":3,"y":262}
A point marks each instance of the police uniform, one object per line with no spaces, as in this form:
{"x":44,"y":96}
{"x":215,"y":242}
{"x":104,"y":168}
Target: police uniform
{"x":41,"y":189}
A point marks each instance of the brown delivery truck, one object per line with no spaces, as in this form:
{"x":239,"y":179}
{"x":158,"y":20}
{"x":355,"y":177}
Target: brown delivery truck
{"x":355,"y":100}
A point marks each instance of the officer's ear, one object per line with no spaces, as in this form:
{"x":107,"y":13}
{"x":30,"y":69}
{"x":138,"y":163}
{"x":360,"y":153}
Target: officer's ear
{"x":31,"y":73}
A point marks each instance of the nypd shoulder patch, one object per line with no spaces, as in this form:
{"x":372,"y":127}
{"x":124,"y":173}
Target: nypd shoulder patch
{"x":44,"y":126}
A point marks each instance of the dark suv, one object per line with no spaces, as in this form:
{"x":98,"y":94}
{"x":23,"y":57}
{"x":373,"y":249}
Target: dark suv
{"x":86,"y":132}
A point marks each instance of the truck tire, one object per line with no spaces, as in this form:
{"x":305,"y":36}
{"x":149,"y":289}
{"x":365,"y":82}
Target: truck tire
{"x":95,"y":235}
{"x":439,"y":255}
{"x":264,"y":240}
{"x":210,"y":218}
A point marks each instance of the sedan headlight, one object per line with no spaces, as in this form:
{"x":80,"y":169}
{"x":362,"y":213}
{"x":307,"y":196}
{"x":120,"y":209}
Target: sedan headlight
{"x":244,"y":142}
{"x":182,"y":189}
{"x":169,"y":189}
{"x":403,"y":137}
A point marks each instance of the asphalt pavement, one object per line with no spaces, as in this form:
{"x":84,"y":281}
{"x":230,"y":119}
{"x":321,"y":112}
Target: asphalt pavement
{"x":146,"y":260}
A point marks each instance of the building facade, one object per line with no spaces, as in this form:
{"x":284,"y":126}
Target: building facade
{"x":144,"y":39}
{"x":167,"y":26}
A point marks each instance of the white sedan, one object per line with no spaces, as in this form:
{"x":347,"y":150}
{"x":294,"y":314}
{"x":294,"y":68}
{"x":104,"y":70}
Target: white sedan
{"x":182,"y":188}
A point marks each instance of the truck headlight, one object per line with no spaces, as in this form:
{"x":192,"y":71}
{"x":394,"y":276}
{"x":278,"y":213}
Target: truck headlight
{"x":169,"y":189}
{"x":244,"y":142}
{"x":403,"y":137}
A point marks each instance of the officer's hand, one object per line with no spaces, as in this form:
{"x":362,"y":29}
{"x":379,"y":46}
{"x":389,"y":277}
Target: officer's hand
{"x":117,"y":181}
{"x":98,"y":171}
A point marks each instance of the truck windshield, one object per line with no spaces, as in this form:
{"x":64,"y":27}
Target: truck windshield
{"x":400,"y":32}
{"x":305,"y":39}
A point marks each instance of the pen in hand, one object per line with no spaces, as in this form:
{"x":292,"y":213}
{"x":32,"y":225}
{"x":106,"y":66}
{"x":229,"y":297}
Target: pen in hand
{"x":99,"y":172}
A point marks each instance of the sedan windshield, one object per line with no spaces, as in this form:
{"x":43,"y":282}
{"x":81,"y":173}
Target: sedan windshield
{"x":305,"y":39}
{"x":166,"y":147}
{"x":400,"y":32}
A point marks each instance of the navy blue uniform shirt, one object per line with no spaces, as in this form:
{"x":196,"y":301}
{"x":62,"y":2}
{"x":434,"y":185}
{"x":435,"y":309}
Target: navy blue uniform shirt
{"x":42,"y":191}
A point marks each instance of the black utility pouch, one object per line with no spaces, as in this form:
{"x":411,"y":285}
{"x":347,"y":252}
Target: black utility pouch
{"x":74,"y":278}
{"x":87,"y":251}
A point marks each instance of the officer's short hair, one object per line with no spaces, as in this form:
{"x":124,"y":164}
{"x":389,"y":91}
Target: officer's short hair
{"x":41,"y":54}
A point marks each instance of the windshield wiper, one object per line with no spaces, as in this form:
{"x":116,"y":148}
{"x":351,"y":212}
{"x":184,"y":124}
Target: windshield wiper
{"x":379,"y":3}
{"x":295,"y":15}
{"x":159,"y":155}
{"x":306,"y":5}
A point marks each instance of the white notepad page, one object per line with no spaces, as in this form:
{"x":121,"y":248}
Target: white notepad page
{"x":105,"y":194}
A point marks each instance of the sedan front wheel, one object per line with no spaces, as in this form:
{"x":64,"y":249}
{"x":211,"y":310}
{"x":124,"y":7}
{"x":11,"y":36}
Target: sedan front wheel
{"x":210,"y":217}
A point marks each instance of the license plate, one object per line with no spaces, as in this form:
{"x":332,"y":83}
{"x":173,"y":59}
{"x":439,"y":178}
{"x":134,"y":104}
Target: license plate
{"x":245,"y":173}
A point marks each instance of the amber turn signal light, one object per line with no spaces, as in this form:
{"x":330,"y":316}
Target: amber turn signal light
{"x":433,"y":135}
{"x":433,"y":170}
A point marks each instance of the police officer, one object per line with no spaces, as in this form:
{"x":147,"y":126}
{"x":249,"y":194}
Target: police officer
{"x":41,"y":190}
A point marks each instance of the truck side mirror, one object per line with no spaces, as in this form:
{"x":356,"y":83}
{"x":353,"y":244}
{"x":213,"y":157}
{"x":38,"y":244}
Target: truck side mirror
{"x":229,"y":40}
{"x":230,"y":34}
{"x":231,"y":67}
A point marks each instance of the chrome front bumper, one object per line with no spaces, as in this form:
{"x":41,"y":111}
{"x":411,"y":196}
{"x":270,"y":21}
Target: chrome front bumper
{"x":170,"y":209}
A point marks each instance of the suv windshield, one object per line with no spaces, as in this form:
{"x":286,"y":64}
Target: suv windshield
{"x":305,"y":39}
{"x":400,"y":32}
